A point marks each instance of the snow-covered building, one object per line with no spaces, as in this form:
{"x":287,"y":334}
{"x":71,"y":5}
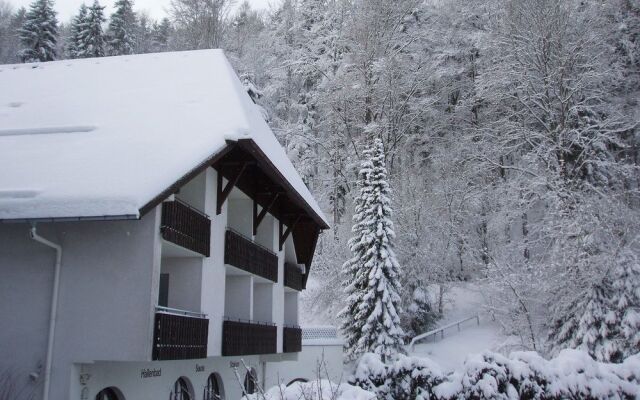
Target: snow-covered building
{"x":154,"y":236}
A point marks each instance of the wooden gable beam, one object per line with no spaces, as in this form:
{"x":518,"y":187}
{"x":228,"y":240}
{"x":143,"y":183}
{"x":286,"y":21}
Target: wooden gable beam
{"x":258,"y":217}
{"x":223,"y":193}
{"x":314,"y":242}
{"x":284,"y":235}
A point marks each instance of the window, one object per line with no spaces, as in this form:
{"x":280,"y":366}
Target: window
{"x":109,"y":393}
{"x":250,"y":381}
{"x":181,"y":390}
{"x":214,"y":389}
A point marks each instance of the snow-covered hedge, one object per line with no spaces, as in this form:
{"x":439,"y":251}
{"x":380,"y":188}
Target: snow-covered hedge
{"x":523,"y":375}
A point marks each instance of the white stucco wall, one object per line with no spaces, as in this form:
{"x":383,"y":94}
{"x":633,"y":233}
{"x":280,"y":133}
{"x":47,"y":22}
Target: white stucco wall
{"x":128,"y":377}
{"x":278,"y":287}
{"x":265,"y":235}
{"x":105,"y":303}
{"x":291,"y":308}
{"x":263,"y":302}
{"x":213,"y":268}
{"x":193,"y":193}
{"x":240,"y":215}
{"x":289,"y":251}
{"x":185,"y":282}
{"x":26,"y":273}
{"x":238,"y":297}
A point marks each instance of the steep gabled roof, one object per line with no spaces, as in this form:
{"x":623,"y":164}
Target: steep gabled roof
{"x":102,"y":138}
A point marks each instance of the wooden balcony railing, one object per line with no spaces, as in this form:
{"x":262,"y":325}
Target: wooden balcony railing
{"x":251,"y":257}
{"x":293,"y":276}
{"x":241,"y":338}
{"x":292,"y":339}
{"x":185,"y":226}
{"x":179,"y":337}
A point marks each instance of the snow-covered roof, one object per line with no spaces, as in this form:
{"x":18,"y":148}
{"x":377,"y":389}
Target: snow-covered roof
{"x":103,"y":137}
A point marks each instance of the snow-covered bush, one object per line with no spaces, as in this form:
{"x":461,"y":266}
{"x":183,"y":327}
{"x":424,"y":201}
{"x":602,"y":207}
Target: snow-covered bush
{"x":371,"y":373}
{"x":484,"y":376}
{"x":572,"y":374}
{"x":406,"y":378}
{"x":414,"y":378}
{"x":315,"y":390}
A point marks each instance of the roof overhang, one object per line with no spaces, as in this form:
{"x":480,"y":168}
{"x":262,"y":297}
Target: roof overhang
{"x":261,"y":181}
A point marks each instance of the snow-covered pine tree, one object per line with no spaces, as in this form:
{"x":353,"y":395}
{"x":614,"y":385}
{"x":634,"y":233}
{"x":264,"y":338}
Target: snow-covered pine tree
{"x":605,"y":319}
{"x":371,"y":320}
{"x":161,"y":33}
{"x":74,"y":41}
{"x":626,"y":284}
{"x":122,"y":27}
{"x":92,"y":37}
{"x":420,"y":316}
{"x":39,"y":33}
{"x":9,"y":35}
{"x":144,"y":34}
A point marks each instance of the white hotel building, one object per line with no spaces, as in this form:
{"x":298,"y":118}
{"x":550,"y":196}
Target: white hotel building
{"x":154,"y":236}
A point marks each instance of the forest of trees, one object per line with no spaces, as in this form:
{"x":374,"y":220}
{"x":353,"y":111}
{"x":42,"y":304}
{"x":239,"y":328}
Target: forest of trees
{"x":510,"y":132}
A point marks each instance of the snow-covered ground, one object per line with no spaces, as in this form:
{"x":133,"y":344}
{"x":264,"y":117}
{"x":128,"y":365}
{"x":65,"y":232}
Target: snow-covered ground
{"x":450,"y":352}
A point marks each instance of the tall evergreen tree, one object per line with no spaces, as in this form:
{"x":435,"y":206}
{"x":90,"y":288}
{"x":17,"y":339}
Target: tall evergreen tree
{"x":39,"y":33}
{"x":144,"y":34}
{"x":605,"y":319}
{"x":371,"y":320}
{"x":10,"y":24}
{"x":122,"y":29}
{"x":161,"y":34}
{"x":92,"y":37}
{"x":74,"y":41}
{"x":419,"y":316}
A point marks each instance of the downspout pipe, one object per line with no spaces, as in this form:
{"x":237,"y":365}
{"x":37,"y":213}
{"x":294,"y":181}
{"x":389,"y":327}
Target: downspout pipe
{"x":54,"y":307}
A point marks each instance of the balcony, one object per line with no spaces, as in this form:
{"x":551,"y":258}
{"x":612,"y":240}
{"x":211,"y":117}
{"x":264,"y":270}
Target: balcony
{"x":246,"y":255}
{"x":241,"y":338}
{"x":179,"y":335}
{"x":186,"y":227}
{"x":292,"y":339}
{"x":293,"y":277}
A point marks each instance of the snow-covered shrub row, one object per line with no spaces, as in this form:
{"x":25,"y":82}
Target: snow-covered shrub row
{"x":315,"y":390}
{"x":523,"y":375}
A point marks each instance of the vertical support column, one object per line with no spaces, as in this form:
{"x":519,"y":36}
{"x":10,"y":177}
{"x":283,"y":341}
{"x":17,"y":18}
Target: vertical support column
{"x":213,"y":269}
{"x":278,"y":288}
{"x":291,"y":308}
{"x":156,"y":214}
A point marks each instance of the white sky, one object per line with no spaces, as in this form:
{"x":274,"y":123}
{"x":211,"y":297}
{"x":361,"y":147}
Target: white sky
{"x":156,"y":8}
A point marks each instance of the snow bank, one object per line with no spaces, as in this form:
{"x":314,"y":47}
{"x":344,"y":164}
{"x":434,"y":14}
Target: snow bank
{"x":316,"y":390}
{"x":522,"y":375}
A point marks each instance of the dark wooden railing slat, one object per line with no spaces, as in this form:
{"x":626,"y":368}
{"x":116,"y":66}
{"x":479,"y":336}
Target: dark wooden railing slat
{"x":186,"y":227}
{"x":246,"y":338}
{"x":248,"y":256}
{"x":179,"y":337}
{"x":292,"y":340}
{"x":293,"y":277}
